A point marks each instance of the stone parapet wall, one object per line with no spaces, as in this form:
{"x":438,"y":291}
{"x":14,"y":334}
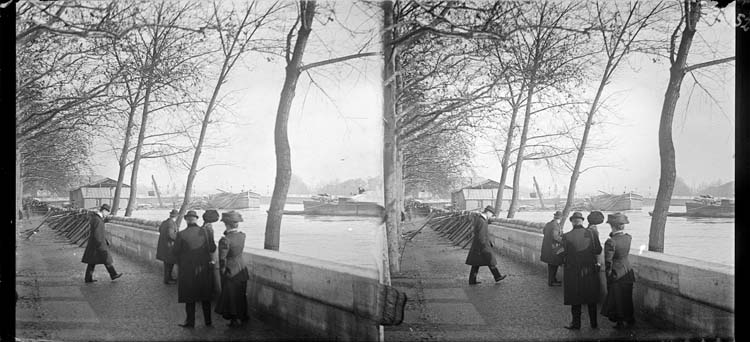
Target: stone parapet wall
{"x":324,"y":299}
{"x":686,"y":293}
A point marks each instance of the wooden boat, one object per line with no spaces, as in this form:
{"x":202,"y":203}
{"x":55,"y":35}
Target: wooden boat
{"x":229,"y":200}
{"x":343,"y":206}
{"x":609,"y":202}
{"x":706,"y":206}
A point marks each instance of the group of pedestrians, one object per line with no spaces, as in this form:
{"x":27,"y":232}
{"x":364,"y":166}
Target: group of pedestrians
{"x":579,"y":251}
{"x":196,"y":254}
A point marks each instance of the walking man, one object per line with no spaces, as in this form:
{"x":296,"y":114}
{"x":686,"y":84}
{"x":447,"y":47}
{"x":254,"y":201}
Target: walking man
{"x":551,"y":247}
{"x":480,"y":253}
{"x":167,"y":235}
{"x":581,"y":277}
{"x":97,"y":252}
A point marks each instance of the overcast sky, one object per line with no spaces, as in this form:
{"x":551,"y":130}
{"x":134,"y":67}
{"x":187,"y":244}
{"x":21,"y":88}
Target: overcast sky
{"x":337,"y":134}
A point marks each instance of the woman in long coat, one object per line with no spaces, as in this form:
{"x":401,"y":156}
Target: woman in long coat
{"x":550,"y":244}
{"x":581,"y":278}
{"x":232,"y":304}
{"x":193,"y":252}
{"x":480,"y":253}
{"x":595,"y":218}
{"x":618,"y":306}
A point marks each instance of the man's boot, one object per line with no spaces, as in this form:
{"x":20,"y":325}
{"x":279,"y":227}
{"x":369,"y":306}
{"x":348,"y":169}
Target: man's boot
{"x":473,"y":275}
{"x":496,"y":274}
{"x":576,"y":323}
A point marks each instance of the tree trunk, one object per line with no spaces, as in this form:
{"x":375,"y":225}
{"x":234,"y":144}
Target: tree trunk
{"x":666,"y":145}
{"x":539,"y":193}
{"x":519,"y":158}
{"x":123,"y":162}
{"x":506,"y":158}
{"x":137,"y":157}
{"x":19,"y":186}
{"x":390,"y":152}
{"x":582,"y":148}
{"x":281,"y":139}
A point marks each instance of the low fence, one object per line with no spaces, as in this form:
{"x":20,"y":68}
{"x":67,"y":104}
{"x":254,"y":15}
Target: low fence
{"x":314,"y":297}
{"x":681,"y":292}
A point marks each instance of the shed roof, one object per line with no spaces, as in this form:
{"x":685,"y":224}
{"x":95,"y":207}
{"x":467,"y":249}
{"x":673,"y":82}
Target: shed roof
{"x":104,"y":183}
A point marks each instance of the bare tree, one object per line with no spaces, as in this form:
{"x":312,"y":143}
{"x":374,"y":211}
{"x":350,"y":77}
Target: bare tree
{"x":620,"y":35}
{"x":236,"y":36}
{"x":678,"y":54}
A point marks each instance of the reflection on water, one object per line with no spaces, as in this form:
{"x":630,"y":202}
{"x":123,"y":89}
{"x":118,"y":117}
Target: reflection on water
{"x":708,"y":239}
{"x":351,"y":240}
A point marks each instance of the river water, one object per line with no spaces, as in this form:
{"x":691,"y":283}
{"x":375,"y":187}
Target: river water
{"x":352,"y":240}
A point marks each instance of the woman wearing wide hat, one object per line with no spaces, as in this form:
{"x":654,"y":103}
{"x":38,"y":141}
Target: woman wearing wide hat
{"x":618,"y":305}
{"x":581,"y":278}
{"x":193,"y":252}
{"x":232,"y":303}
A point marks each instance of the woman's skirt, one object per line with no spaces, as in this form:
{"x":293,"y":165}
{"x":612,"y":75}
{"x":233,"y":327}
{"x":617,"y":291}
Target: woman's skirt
{"x":232,"y":303}
{"x":618,"y":305}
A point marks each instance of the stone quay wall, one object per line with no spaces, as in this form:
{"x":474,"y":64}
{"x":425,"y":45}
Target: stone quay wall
{"x":324,"y":299}
{"x":685,"y":293}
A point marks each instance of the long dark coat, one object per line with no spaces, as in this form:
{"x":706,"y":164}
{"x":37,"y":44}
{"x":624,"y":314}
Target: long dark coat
{"x":581,"y":279}
{"x":195,"y":276}
{"x":167,"y":235}
{"x":480,"y":253}
{"x":552,"y":238}
{"x":216,"y":277}
{"x":96,"y":251}
{"x":232,"y":302}
{"x":619,"y":302}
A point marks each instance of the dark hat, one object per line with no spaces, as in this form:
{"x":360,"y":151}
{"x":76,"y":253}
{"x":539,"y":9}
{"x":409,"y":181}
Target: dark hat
{"x":576,"y":215}
{"x":231,"y":216}
{"x":557,"y":214}
{"x":490,"y":209}
{"x":174,"y":213}
{"x":104,"y":206}
{"x":617,"y":218}
{"x":191,"y":213}
{"x":210,"y":216}
{"x":596,"y":217}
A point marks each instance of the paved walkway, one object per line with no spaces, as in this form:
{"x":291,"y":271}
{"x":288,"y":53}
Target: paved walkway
{"x":443,"y":307}
{"x":55,"y":304}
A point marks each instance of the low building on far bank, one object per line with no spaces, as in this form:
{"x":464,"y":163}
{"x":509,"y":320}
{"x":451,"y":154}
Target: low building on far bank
{"x":92,"y":196}
{"x":479,"y":195}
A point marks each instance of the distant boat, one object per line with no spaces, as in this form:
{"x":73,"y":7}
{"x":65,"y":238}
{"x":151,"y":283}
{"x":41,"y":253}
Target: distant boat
{"x":324,"y":204}
{"x":707,"y":206}
{"x":609,"y":202}
{"x":229,"y":200}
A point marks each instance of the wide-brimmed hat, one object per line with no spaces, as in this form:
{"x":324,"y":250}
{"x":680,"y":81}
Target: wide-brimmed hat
{"x":173,"y":213}
{"x":557,"y":214}
{"x":231,"y":217}
{"x":596,"y":217}
{"x":210,"y":216}
{"x":191,"y":213}
{"x":617,"y":218}
{"x":490,"y":209}
{"x":104,"y":206}
{"x":577,"y":215}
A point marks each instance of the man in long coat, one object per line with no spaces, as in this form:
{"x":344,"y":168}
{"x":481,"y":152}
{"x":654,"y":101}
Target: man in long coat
{"x":194,"y":280}
{"x":480,"y":253}
{"x":581,"y":278}
{"x":97,"y":252}
{"x":551,"y":243}
{"x":167,"y":235}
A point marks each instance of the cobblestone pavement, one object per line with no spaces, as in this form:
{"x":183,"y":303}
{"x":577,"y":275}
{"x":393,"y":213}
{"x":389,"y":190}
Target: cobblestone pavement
{"x":55,"y":304}
{"x":443,"y":307}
